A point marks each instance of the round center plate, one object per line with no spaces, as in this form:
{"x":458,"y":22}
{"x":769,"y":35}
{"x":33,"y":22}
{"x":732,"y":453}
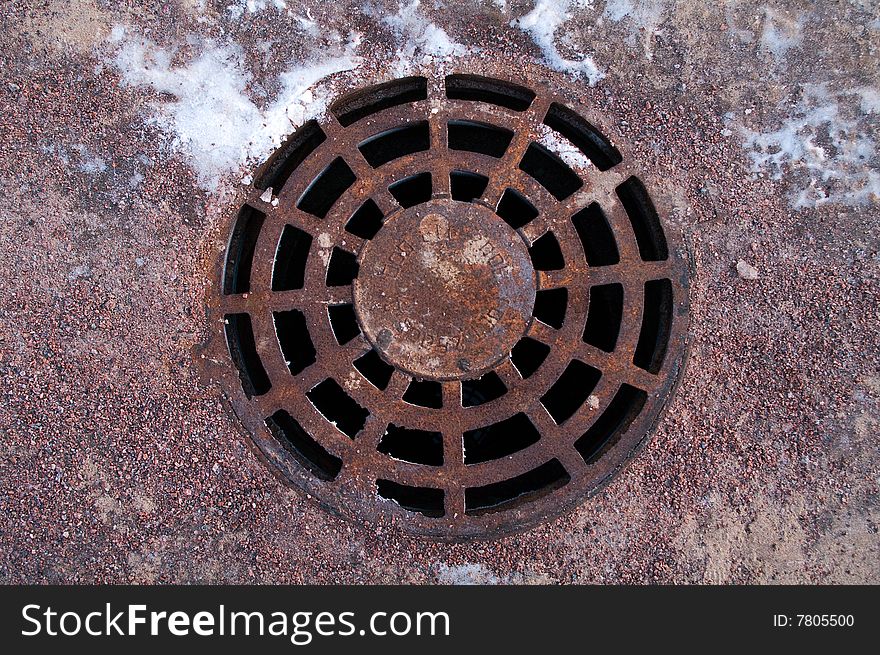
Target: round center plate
{"x":446,"y":290}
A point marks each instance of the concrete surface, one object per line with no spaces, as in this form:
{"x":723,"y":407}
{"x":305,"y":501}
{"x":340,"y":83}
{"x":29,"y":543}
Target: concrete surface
{"x":119,"y":466}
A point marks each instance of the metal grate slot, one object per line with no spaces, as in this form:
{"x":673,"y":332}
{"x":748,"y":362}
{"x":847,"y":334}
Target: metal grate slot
{"x":294,"y":340}
{"x":240,"y":253}
{"x":243,"y":350}
{"x":395,"y":143}
{"x":338,"y":407}
{"x":516,"y":491}
{"x":486,"y":89}
{"x":416,"y":446}
{"x":423,"y":500}
{"x":499,"y":439}
{"x":371,"y":100}
{"x":293,"y":152}
{"x":299,"y":443}
{"x":288,"y":273}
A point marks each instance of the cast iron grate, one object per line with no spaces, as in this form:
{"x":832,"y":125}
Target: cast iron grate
{"x":434,"y":320}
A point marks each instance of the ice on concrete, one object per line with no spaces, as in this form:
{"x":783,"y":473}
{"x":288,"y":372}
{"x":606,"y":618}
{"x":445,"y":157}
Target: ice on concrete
{"x":466,"y":574}
{"x":781,"y":32}
{"x":824,"y":147}
{"x":89,"y":163}
{"x":870,"y":99}
{"x":542,"y":23}
{"x":77,"y":155}
{"x":210,"y":117}
{"x":238,"y":8}
{"x":643,"y":18}
{"x":421,"y":41}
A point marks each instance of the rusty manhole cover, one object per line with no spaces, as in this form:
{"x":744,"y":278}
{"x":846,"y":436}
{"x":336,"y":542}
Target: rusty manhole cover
{"x":426,"y":317}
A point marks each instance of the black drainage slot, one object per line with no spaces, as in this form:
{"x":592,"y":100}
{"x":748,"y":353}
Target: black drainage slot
{"x":424,"y":393}
{"x":614,"y":421}
{"x":373,"y":99}
{"x":290,"y":261}
{"x":243,"y":350}
{"x":293,"y":152}
{"x":550,"y":306}
{"x":412,"y":190}
{"x":416,"y":446}
{"x":375,"y":369}
{"x":484,"y":89}
{"x":423,"y":500}
{"x":366,"y":221}
{"x":327,"y":188}
{"x":482,"y":138}
{"x":482,"y":390}
{"x":546,"y":254}
{"x":342,"y":269}
{"x":299,"y":443}
{"x":499,"y":439}
{"x":343,"y":323}
{"x":294,"y":339}
{"x":528,"y":355}
{"x":604,"y":316}
{"x":570,"y":391}
{"x":597,"y":239}
{"x":645,"y":221}
{"x":581,"y":133}
{"x":515,"y":210}
{"x":240,"y":254}
{"x":656,"y":325}
{"x":516,"y":491}
{"x":467,"y":186}
{"x":338,"y":407}
{"x":550,"y":171}
{"x":395,"y":143}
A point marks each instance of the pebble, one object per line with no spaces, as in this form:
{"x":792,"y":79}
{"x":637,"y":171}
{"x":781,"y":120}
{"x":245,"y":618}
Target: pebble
{"x":746,"y":271}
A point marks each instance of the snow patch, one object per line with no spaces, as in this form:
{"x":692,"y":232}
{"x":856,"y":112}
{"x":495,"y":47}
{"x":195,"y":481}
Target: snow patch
{"x":78,"y":155}
{"x":210,"y":117}
{"x":617,"y":10}
{"x":567,"y":151}
{"x":870,"y":99}
{"x":781,"y":32}
{"x":825,"y":143}
{"x":423,"y":42}
{"x":644,"y":17}
{"x":466,"y":574}
{"x":542,"y":23}
{"x":237,"y":8}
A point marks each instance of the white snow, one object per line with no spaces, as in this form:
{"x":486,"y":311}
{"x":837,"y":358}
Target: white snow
{"x":542,"y":23}
{"x":617,"y":10}
{"x":824,"y":144}
{"x":237,"y":8}
{"x":870,"y":99}
{"x":210,"y":118}
{"x":781,"y":32}
{"x":567,"y":151}
{"x":466,"y":574}
{"x":85,"y":161}
{"x":643,"y":18}
{"x":421,"y":41}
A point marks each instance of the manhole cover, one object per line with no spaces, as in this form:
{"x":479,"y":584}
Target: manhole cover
{"x":426,"y":317}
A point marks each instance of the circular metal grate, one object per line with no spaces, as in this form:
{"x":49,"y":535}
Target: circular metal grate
{"x":435,"y":321}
